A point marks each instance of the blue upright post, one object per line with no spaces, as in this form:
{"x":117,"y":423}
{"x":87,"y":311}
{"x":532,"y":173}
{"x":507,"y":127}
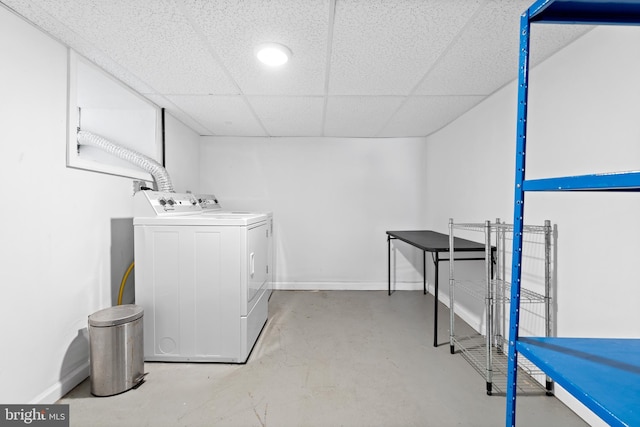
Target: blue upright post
{"x":518,"y":219}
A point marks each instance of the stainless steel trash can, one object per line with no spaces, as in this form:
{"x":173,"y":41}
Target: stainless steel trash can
{"x":116,"y":349}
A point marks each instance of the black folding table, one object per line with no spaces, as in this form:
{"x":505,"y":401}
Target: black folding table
{"x":436,"y":243}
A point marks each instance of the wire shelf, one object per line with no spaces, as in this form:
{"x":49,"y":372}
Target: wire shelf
{"x":471,"y":287}
{"x":477,"y":289}
{"x":475,"y":226}
{"x":474,"y":350}
{"x":494,"y":291}
{"x":480,"y":227}
{"x":526,"y":295}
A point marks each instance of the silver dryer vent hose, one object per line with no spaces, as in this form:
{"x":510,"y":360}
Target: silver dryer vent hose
{"x":159,"y":173}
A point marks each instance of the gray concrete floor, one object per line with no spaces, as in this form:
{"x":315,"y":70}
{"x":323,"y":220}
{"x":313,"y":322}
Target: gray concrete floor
{"x":326,"y":358}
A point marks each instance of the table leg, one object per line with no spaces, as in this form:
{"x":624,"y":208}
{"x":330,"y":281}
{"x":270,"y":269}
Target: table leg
{"x":424,"y":272}
{"x":389,"y":263}
{"x":436,"y":261}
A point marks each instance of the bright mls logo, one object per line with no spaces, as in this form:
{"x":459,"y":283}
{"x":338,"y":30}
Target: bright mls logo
{"x":34,"y":415}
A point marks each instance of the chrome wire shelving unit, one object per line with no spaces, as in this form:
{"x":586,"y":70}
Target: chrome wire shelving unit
{"x":601,"y":373}
{"x":486,"y":352}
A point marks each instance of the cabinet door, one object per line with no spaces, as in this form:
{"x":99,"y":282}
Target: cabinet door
{"x":258,"y":258}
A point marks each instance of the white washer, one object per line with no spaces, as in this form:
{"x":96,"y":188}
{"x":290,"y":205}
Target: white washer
{"x":201,"y":279}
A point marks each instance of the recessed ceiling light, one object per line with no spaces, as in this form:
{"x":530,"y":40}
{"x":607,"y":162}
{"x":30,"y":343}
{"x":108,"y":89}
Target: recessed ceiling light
{"x":273,"y":54}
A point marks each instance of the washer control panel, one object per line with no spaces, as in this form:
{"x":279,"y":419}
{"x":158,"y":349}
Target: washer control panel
{"x":154,"y":203}
{"x":208,"y":202}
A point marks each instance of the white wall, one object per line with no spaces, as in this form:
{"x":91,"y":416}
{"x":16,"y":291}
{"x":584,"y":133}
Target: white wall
{"x":583,"y":119}
{"x":57,"y":224}
{"x":332,"y":198}
{"x":182,"y":150}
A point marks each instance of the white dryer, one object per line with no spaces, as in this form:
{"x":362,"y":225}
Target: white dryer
{"x":202,"y":279}
{"x":211,"y":206}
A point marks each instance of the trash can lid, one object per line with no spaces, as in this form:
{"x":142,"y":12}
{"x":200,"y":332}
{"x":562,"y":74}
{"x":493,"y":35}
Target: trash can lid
{"x":113,"y":316}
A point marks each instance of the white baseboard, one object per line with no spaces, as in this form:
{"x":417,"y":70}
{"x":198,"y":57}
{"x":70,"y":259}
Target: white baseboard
{"x":471,"y":318}
{"x":62,"y":387}
{"x":346,"y":286}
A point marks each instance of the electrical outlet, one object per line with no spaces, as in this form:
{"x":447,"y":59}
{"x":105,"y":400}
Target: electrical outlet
{"x":137,"y":186}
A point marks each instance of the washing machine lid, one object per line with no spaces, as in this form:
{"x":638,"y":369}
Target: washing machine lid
{"x":209,"y":219}
{"x":227,"y":212}
{"x":236,"y":218}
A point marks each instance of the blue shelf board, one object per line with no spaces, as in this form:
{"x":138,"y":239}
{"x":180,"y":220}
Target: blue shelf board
{"x":596,"y":12}
{"x":617,"y":181}
{"x":602,"y":373}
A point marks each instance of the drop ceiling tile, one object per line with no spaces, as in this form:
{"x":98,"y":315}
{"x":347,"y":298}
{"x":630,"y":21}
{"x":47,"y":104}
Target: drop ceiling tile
{"x":149,"y":38}
{"x":234,"y":28}
{"x":423,"y":115}
{"x":358,"y":116}
{"x":289,"y":116}
{"x":385,"y":47}
{"x":485,"y":56}
{"x":222,"y":115}
{"x":75,"y":39}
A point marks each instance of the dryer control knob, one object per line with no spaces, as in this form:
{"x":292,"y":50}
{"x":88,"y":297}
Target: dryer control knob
{"x":162,"y":202}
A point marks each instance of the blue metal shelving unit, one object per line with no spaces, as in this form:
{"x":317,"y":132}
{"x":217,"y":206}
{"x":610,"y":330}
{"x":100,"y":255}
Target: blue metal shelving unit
{"x":603,"y":374}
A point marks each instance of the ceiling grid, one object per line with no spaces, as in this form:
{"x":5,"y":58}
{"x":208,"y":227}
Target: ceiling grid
{"x":360,"y":68}
{"x":327,"y":76}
